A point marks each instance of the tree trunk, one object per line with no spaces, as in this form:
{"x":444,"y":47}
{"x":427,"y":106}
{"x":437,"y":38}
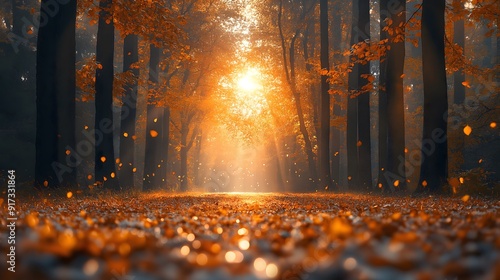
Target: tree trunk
{"x":46,"y":104}
{"x":104,"y":150}
{"x":459,"y":76}
{"x":291,"y":80}
{"x":324,"y":140}
{"x":396,"y":175}
{"x":336,"y":29}
{"x":352,"y":108}
{"x":364,"y":144}
{"x":154,"y":119}
{"x":165,"y":140}
{"x":434,"y":170}
{"x":128,"y":113}
{"x":383,"y":120}
{"x":184,"y":154}
{"x":56,"y":158}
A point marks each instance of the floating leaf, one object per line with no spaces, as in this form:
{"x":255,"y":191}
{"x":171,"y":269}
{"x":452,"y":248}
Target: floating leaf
{"x":467,"y":130}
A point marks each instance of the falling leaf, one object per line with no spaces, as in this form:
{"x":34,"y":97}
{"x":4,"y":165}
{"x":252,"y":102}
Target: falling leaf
{"x":125,"y":134}
{"x":89,"y":177}
{"x":466,"y":84}
{"x":465,"y":198}
{"x":117,"y":160}
{"x":153,"y":133}
{"x":493,"y":124}
{"x":45,"y":183}
{"x":359,"y":144}
{"x":155,"y":120}
{"x":134,"y":169}
{"x":112,"y":174}
{"x":86,"y":127}
{"x":69,"y":195}
{"x":103,"y":159}
{"x":396,"y":183}
{"x":461,"y":180}
{"x":68,"y":152}
{"x":424,"y":183}
{"x":480,"y":161}
{"x":467,"y":130}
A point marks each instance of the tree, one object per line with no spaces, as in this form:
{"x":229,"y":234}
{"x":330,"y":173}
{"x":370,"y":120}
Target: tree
{"x":434,"y":170}
{"x":104,"y":148}
{"x":459,"y":39}
{"x":395,"y":173}
{"x":364,"y":141}
{"x":383,"y":118}
{"x":290,"y":72}
{"x":358,"y":107}
{"x":324,"y":140}
{"x":157,"y":130}
{"x":55,"y":136}
{"x":336,"y":137}
{"x":128,"y":112}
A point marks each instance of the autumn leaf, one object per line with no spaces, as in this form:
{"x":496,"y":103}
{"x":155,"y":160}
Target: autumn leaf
{"x":467,"y":130}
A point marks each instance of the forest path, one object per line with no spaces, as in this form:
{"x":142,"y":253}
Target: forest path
{"x":255,"y":236}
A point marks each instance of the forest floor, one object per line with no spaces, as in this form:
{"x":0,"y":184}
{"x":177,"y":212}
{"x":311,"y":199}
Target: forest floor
{"x":253,"y":236}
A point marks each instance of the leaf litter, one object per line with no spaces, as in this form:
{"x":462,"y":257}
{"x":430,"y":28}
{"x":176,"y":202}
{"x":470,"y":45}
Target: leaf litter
{"x":256,"y":236}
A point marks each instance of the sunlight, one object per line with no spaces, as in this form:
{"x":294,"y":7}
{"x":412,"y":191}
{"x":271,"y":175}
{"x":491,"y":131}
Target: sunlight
{"x":250,"y":100}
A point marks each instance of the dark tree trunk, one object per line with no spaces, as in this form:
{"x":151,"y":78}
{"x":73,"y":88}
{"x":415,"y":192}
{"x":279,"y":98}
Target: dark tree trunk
{"x":352,"y":109}
{"x":324,"y":135}
{"x":184,"y":154}
{"x":336,"y":29}
{"x":459,"y":76}
{"x":153,"y":150}
{"x":382,"y":105}
{"x":56,"y":158}
{"x":154,"y":121}
{"x":128,"y":113}
{"x":396,"y":175}
{"x":434,"y":170}
{"x":364,"y":144}
{"x":105,"y":171}
{"x":165,"y":140}
{"x":289,"y":69}
{"x":46,"y":104}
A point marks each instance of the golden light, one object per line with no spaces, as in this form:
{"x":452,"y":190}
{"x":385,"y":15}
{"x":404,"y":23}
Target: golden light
{"x":247,"y":82}
{"x":248,"y":92}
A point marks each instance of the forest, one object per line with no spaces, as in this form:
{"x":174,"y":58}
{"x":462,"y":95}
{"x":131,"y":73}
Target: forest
{"x":250,"y":139}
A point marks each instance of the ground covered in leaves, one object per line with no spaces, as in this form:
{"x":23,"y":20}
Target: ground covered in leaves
{"x":254,"y":236}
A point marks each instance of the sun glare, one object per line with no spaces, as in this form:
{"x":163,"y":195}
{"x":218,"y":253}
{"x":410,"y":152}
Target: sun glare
{"x":249,"y":93}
